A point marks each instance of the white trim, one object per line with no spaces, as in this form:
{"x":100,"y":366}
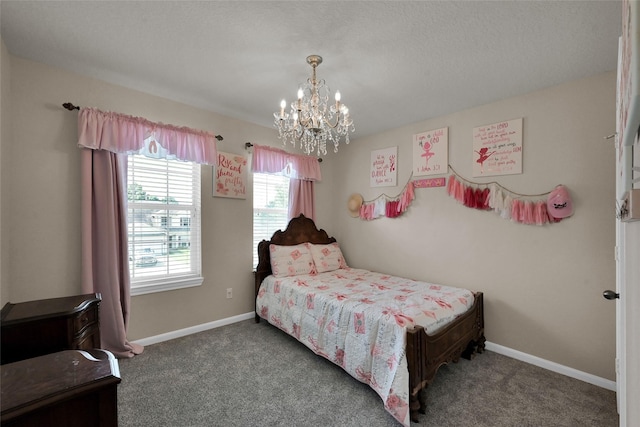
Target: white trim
{"x":552,"y":366}
{"x":194,"y":329}
{"x":165,"y":284}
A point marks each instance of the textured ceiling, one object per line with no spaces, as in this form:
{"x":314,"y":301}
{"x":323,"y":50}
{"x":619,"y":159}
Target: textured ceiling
{"x":395,"y":62}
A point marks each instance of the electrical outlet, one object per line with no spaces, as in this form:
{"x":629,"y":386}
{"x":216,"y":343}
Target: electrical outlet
{"x":229,"y":293}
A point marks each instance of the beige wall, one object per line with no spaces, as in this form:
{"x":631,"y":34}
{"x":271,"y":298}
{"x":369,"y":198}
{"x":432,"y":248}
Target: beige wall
{"x":5,"y":79}
{"x":543,"y":285}
{"x":44,"y":204}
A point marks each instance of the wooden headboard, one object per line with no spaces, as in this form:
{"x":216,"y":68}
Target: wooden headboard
{"x":299,"y":230}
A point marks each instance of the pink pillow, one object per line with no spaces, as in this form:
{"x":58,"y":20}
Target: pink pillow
{"x":291,"y":260}
{"x":327,"y":257}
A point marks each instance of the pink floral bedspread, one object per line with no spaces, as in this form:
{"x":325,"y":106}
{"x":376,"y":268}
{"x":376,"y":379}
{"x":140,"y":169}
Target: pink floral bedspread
{"x":358,"y":320}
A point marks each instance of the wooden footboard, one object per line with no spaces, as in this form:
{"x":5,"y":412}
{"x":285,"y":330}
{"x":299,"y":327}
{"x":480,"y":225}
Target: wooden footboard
{"x":426,"y":353}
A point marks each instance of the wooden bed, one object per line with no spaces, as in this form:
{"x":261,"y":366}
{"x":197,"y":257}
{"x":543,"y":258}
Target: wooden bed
{"x":425,"y":353}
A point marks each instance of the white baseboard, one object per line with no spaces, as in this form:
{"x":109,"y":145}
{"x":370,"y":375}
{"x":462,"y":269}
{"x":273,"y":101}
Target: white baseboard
{"x":552,"y":366}
{"x":506,"y":351}
{"x":194,"y":329}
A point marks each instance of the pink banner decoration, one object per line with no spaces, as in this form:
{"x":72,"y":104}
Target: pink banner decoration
{"x":429,"y":182}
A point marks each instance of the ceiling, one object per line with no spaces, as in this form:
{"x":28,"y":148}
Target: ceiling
{"x":394,"y":62}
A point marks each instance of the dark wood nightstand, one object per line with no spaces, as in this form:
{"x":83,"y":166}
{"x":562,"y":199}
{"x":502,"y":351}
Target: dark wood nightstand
{"x":36,"y":328}
{"x":69,"y":388}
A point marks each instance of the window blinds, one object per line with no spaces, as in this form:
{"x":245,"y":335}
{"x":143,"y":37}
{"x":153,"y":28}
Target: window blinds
{"x":270,"y":207}
{"x":163,"y":220}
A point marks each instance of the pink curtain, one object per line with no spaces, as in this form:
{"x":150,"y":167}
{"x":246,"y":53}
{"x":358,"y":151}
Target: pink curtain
{"x":302,"y":170}
{"x":106,"y":139}
{"x":105,"y":267}
{"x":301,"y":199}
{"x":273,"y":160}
{"x":120,"y":133}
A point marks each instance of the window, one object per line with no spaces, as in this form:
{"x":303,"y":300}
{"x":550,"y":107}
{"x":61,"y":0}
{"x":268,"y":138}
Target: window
{"x":270,"y":208}
{"x":163,"y":221}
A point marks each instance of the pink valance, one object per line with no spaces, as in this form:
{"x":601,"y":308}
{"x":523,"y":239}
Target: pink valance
{"x":273,"y":160}
{"x":119,"y":133}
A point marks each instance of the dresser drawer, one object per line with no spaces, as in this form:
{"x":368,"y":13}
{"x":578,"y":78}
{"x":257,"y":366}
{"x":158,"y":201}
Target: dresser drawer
{"x":89,"y":339}
{"x":85,"y":318}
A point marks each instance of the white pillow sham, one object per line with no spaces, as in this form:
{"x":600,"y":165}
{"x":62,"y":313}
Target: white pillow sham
{"x":327,"y":257}
{"x":291,"y":260}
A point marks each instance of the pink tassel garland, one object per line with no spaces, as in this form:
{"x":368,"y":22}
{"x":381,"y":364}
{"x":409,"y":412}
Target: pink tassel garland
{"x":528,"y":213}
{"x":451,"y":185}
{"x":540,"y":215}
{"x":515,"y":211}
{"x":459,"y":191}
{"x":392,"y":209}
{"x":485,"y":196}
{"x":508,"y":204}
{"x":469,"y":197}
{"x":479,"y":198}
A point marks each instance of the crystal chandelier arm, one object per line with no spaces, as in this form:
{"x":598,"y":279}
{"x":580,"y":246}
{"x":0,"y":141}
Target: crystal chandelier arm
{"x":342,"y":115}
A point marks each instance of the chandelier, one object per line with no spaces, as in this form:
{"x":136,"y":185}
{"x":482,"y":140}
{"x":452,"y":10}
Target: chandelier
{"x":313,"y":121}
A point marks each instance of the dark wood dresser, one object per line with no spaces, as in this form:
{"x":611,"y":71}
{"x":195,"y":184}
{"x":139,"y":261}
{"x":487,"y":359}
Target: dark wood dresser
{"x":70,"y":388}
{"x":36,"y":328}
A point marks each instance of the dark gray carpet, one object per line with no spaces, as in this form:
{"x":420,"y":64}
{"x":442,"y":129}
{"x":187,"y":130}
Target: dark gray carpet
{"x":249,"y":374}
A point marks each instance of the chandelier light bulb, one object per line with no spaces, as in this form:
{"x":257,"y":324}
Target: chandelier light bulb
{"x":313,"y":120}
{"x":283,"y":105}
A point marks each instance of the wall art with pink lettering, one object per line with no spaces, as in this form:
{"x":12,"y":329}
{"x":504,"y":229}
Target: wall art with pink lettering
{"x":230,"y":176}
{"x":430,"y":152}
{"x":384,"y":167}
{"x":497,"y":148}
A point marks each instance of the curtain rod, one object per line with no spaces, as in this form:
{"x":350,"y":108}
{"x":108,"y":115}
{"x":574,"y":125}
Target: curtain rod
{"x":69,"y":106}
{"x":248,"y":145}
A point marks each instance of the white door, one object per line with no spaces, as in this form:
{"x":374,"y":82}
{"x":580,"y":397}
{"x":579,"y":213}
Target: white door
{"x":628,"y":287}
{"x":630,"y":324}
{"x":628,"y":321}
{"x":628,"y":229}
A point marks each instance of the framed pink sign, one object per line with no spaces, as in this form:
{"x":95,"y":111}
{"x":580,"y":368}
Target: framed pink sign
{"x":230,"y":176}
{"x":430,"y":152}
{"x":384,"y":167}
{"x":497,"y":148}
{"x":429,"y":182}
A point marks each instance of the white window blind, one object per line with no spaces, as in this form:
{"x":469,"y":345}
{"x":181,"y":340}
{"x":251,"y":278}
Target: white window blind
{"x":163,"y":221}
{"x":270,"y":207}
